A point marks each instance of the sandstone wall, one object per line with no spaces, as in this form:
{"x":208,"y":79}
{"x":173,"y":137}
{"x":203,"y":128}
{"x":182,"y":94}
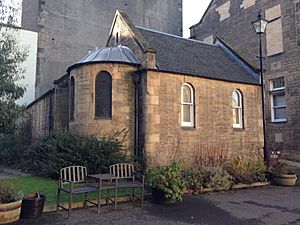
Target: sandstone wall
{"x":281,"y":45}
{"x":122,"y":123}
{"x":42,"y":115}
{"x":213,"y":131}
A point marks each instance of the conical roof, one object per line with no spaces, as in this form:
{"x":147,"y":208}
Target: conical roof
{"x":114,"y":54}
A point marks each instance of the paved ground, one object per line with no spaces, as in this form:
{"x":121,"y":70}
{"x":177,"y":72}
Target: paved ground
{"x":260,"y":206}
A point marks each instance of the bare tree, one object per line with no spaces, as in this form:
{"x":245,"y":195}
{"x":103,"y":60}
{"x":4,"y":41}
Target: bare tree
{"x":10,"y":13}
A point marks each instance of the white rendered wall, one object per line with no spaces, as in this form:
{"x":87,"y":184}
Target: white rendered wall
{"x":28,"y":40}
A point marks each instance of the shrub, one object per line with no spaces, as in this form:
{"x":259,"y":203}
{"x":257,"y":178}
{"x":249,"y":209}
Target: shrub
{"x":13,"y":145}
{"x":9,"y":193}
{"x":246,"y":170}
{"x":217,"y":178}
{"x":208,"y":177}
{"x":60,"y":149}
{"x":194,"y":179}
{"x":281,"y":168}
{"x":169,"y":179}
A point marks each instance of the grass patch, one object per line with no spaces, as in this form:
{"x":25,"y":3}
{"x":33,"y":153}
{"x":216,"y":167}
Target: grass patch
{"x":48,"y":187}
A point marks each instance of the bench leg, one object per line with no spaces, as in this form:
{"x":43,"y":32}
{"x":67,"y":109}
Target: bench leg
{"x":142,"y":197}
{"x":116,"y":197}
{"x":85,"y":200}
{"x":107,"y":196}
{"x":70,"y":205}
{"x":98,"y":201}
{"x":132,"y":194}
{"x":58,"y":199}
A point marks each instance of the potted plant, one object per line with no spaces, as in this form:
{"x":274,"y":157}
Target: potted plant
{"x":32,"y":206}
{"x":10,"y":203}
{"x":283,"y":175}
{"x":167,"y":183}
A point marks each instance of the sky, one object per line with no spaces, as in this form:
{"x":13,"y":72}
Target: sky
{"x":192,"y":13}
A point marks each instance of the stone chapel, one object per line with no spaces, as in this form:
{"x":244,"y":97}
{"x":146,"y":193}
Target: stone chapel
{"x":165,"y":93}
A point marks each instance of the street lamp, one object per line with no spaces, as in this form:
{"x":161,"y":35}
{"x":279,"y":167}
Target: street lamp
{"x":259,"y":26}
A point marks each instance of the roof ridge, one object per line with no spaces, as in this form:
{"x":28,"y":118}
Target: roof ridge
{"x":136,"y":34}
{"x":176,"y":36}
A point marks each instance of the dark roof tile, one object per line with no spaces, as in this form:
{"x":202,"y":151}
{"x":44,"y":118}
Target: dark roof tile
{"x":187,"y":56}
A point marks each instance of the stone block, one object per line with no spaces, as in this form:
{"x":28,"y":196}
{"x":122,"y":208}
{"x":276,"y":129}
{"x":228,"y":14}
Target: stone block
{"x":223,"y":11}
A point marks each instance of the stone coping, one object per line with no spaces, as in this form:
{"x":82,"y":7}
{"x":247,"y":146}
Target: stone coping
{"x":235,"y":187}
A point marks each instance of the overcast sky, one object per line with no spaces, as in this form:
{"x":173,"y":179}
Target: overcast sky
{"x":192,"y":13}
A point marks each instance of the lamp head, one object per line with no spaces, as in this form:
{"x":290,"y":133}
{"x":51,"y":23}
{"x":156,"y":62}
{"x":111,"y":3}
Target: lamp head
{"x":260,"y":24}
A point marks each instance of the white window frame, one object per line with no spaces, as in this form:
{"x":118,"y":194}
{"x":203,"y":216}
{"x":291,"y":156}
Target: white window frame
{"x":191,"y":104}
{"x":240,"y":109}
{"x":276,"y":92}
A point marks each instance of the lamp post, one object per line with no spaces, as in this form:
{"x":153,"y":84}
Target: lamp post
{"x":259,"y":26}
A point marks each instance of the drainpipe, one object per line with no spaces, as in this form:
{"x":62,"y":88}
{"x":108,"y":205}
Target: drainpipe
{"x":136,"y":79}
{"x":50,"y":126}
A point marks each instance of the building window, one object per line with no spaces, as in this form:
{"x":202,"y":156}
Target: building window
{"x":237,"y":109}
{"x":72,"y":99}
{"x":117,"y":36}
{"x":103,"y":95}
{"x":187,"y":105}
{"x":278,"y":103}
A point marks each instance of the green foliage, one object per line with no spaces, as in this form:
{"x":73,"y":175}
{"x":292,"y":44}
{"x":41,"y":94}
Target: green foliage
{"x":246,"y":170}
{"x":11,"y":58}
{"x":13,"y":145}
{"x":169,"y":179}
{"x":9,"y":193}
{"x":60,"y":149}
{"x":208,"y":177}
{"x":281,"y":168}
{"x":195,"y":178}
{"x":217,"y":178}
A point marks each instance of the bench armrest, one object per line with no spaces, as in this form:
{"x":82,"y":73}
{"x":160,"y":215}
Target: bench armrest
{"x":63,"y":180}
{"x":139,"y":176}
{"x":60,"y":183}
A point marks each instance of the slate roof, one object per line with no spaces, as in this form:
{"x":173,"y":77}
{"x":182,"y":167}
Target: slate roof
{"x":187,"y":56}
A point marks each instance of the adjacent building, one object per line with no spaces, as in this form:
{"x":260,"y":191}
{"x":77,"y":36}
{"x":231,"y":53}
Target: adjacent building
{"x":230,"y":20}
{"x":67,"y":29}
{"x":27,"y":41}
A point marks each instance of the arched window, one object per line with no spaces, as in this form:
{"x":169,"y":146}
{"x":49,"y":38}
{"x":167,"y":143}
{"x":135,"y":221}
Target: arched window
{"x":103,"y":95}
{"x":187,"y":105}
{"x":237,"y":109}
{"x":72,"y":98}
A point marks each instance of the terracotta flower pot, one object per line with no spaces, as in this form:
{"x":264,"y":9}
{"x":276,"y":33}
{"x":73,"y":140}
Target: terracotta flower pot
{"x":287,"y":180}
{"x":10,"y":212}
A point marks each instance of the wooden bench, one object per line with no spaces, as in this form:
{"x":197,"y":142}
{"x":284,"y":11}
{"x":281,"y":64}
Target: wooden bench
{"x":128,"y":179}
{"x":75,"y":178}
